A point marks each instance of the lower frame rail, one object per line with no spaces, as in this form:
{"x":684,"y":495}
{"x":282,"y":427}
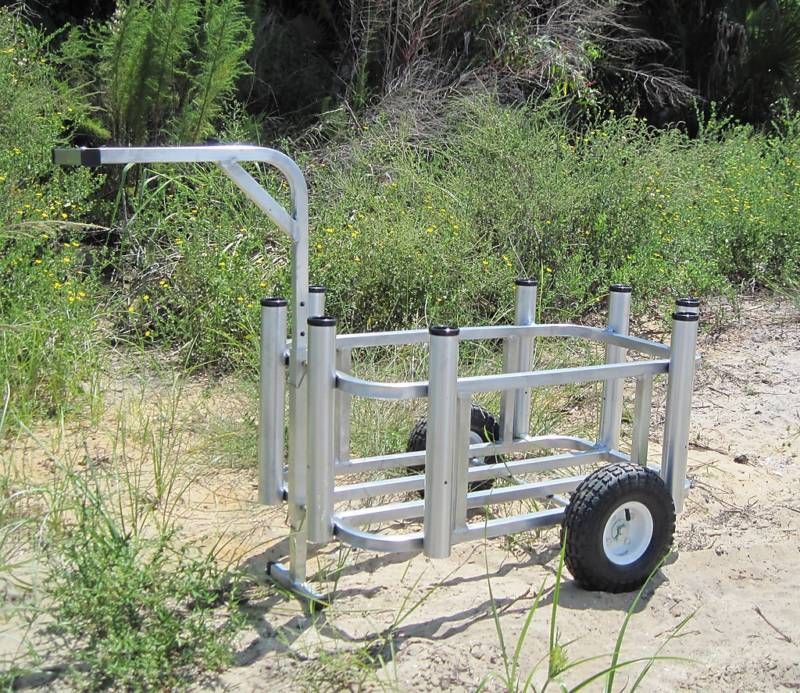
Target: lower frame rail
{"x":312,"y":600}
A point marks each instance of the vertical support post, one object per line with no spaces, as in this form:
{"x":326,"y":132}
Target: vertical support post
{"x":316,"y":300}
{"x":461,"y":457}
{"x":641,"y":419}
{"x":272,"y":393}
{"x":298,"y":397}
{"x":525,"y":315}
{"x":344,"y":400}
{"x":321,"y":389}
{"x":679,"y":404}
{"x":440,"y":449}
{"x":507,"y":398}
{"x":619,"y":309}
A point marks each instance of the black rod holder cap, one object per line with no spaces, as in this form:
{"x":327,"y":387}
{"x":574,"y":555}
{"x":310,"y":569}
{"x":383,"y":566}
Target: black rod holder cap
{"x":688,"y":302}
{"x":685,"y":317}
{"x":443,"y":331}
{"x":274,"y":302}
{"x":322,"y":321}
{"x":621,"y":288}
{"x":316,"y":289}
{"x":523,"y":281}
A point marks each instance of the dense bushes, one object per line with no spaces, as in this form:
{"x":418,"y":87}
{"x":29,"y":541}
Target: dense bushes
{"x":407,"y":231}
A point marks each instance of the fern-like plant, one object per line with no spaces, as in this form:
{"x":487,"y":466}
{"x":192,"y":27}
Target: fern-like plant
{"x":164,"y":66}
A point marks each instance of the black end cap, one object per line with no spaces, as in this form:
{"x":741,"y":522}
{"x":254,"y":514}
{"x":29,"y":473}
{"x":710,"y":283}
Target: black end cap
{"x":688,"y":302}
{"x":685,"y":317}
{"x":322,"y":321}
{"x":274,"y":302}
{"x":522,"y":281}
{"x":444,"y":331}
{"x":621,"y":288}
{"x":316,"y":289}
{"x":90,"y":157}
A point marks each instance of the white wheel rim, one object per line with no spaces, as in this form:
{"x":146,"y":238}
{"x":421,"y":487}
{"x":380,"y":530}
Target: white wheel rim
{"x":628,"y":533}
{"x":474,"y":439}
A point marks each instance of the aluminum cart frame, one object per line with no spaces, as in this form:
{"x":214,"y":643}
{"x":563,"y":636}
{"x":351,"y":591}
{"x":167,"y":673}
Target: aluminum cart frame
{"x":316,"y":365}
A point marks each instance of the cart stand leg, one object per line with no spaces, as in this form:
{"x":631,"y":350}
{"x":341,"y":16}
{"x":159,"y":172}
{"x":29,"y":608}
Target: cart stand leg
{"x":679,"y":405}
{"x":298,"y":405}
{"x":440,"y":449}
{"x":619,"y":307}
{"x":526,"y":290}
{"x":272,"y":394}
{"x":321,"y":391}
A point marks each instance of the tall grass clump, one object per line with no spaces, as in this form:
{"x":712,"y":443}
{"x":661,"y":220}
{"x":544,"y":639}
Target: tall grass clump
{"x":141,"y":606}
{"x":49,"y":292}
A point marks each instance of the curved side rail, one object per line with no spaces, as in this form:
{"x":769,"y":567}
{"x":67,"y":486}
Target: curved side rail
{"x":560,"y":376}
{"x":398,"y":543}
{"x":373,"y":390}
{"x":596,"y":334}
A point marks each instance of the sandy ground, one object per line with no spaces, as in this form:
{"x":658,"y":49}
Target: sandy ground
{"x":416,"y":625}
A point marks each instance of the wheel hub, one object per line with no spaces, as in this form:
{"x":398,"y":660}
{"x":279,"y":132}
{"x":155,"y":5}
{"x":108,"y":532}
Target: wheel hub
{"x":627,"y":533}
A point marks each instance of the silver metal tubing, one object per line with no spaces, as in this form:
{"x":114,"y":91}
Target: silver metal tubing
{"x":619,"y":307}
{"x":344,"y":408}
{"x":272,"y":401}
{"x":440,"y":449}
{"x":321,"y":384}
{"x":316,"y":300}
{"x":500,"y":527}
{"x":391,"y":543}
{"x":461,"y":468}
{"x":560,"y":376}
{"x":679,"y":405}
{"x":392,"y":461}
{"x":507,"y":397}
{"x":372,"y":339}
{"x":535,"y":464}
{"x":367,"y":388}
{"x":526,"y":290}
{"x":380,"y":487}
{"x":536,"y":489}
{"x":282,"y":576}
{"x":641,"y":419}
{"x":381,"y":513}
{"x":294,"y":223}
{"x":501,"y":470}
{"x":407,"y":459}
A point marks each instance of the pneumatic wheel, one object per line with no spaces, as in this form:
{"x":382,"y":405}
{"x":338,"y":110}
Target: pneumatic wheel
{"x":483,"y":429}
{"x":619,"y":525}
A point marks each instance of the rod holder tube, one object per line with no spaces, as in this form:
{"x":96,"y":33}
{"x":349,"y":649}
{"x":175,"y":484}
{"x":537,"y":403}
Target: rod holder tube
{"x":525,"y":314}
{"x":679,"y":405}
{"x":619,"y":310}
{"x":321,"y":398}
{"x":316,"y":300}
{"x":272,"y":402}
{"x":440,"y":448}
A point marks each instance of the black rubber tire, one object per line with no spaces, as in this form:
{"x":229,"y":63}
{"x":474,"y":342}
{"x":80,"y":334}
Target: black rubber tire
{"x":592,"y":504}
{"x":481,"y":422}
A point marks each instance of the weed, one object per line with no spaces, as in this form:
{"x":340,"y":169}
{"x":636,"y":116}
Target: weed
{"x":558,"y":663}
